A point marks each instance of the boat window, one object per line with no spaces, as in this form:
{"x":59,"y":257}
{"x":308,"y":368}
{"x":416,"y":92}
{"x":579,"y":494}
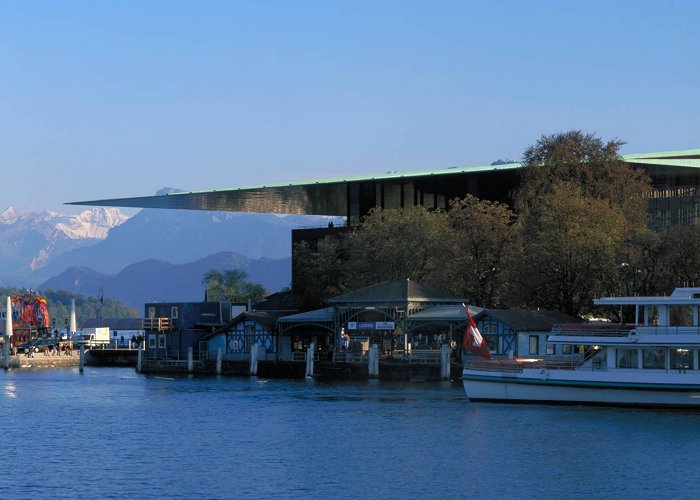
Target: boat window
{"x":682,"y":359}
{"x":566,"y":349}
{"x":652,"y":315}
{"x":654,"y":358}
{"x":681,"y":316}
{"x":534,"y":344}
{"x":551,"y":349}
{"x":627,"y":358}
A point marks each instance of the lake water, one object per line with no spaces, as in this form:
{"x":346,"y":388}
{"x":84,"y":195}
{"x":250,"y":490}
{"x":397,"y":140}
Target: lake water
{"x":110,"y":433}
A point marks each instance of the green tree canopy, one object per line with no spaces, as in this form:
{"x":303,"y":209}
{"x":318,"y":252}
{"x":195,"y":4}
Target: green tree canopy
{"x":232,"y":285}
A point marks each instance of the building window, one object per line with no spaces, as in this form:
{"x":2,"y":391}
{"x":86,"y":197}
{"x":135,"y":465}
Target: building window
{"x":654,"y":359}
{"x":151,"y":341}
{"x":534,"y":344}
{"x":173,"y":312}
{"x":151,"y":312}
{"x":566,"y":349}
{"x":627,"y":358}
{"x":551,"y":349}
{"x":161,"y":342}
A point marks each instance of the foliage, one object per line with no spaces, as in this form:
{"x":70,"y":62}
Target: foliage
{"x":232,"y":285}
{"x":393,"y":244}
{"x":679,"y":257}
{"x":484,"y":237}
{"x":580,"y":212}
{"x":319,"y":273}
{"x":570,"y":250}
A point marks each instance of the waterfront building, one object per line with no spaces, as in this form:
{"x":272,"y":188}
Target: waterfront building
{"x":172,"y":328}
{"x":236,"y":338}
{"x":520,"y":333}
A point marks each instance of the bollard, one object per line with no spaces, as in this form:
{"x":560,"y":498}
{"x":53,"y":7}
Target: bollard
{"x":6,"y":352}
{"x":139,"y":358}
{"x":373,"y":361}
{"x":445,"y":362}
{"x":254,"y":359}
{"x":310,"y":360}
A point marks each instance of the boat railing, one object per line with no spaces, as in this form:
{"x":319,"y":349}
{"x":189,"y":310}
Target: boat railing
{"x":593,"y":329}
{"x":518,"y":365}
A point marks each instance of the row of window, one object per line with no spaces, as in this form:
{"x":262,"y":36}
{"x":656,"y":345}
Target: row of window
{"x":655,"y":358}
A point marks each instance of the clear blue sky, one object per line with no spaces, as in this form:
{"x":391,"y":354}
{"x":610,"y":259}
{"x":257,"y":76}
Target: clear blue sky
{"x":114,"y":99}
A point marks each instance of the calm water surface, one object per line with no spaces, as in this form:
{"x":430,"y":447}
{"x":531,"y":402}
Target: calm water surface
{"x":110,"y":433}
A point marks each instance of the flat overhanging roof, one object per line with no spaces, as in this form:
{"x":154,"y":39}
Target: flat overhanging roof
{"x":329,"y":196}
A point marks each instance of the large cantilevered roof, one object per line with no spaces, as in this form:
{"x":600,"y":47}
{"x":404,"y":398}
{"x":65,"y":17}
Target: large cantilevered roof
{"x":329,"y":196}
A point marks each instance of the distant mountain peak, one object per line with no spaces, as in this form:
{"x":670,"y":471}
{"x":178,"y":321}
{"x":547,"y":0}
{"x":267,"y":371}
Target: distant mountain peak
{"x":94,"y":223}
{"x":8,"y":216}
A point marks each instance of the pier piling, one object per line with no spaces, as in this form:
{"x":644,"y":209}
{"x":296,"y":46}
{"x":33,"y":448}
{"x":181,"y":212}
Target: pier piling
{"x":81,"y":365}
{"x":310,"y":360}
{"x":445,"y":362}
{"x":254,"y":359}
{"x":218,"y":362}
{"x":190,"y":360}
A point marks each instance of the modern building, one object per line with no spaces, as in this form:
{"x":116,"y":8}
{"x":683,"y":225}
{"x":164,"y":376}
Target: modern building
{"x":675,"y":198}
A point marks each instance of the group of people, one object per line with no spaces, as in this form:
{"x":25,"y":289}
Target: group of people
{"x":54,"y":350}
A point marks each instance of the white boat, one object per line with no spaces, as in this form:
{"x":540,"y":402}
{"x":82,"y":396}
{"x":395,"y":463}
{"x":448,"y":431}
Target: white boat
{"x":651,"y":362}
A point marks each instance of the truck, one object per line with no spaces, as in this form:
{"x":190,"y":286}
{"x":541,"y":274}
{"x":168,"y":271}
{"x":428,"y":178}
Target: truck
{"x":92,"y":337}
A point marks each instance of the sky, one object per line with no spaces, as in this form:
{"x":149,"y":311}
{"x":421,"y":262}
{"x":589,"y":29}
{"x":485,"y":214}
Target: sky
{"x":114,"y":99}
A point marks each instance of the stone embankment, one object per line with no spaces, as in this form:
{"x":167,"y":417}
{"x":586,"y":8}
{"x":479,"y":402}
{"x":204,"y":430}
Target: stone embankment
{"x":42,"y":361}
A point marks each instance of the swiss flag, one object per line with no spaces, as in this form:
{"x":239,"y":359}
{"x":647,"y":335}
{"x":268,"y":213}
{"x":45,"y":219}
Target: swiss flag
{"x":473,"y":340}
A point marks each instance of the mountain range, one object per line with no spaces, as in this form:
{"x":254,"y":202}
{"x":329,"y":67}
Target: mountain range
{"x":155,"y":255}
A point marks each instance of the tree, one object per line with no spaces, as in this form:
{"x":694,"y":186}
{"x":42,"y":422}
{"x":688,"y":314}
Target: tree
{"x":232,"y":285}
{"x":679,"y":256}
{"x":320,"y":273}
{"x":581,"y":210}
{"x":484,"y":236}
{"x":393,"y":244}
{"x":570,"y":250}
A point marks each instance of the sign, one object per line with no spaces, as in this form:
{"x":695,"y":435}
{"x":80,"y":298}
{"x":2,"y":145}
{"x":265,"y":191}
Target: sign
{"x":371,"y":325}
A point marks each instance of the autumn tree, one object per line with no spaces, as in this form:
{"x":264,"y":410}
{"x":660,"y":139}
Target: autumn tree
{"x":679,"y":256}
{"x":483,"y":236}
{"x":393,"y":244}
{"x":580,"y":209}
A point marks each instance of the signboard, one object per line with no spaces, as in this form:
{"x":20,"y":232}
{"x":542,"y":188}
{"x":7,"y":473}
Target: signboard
{"x":371,"y":325}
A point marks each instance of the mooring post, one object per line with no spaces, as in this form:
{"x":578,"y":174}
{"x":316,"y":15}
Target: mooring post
{"x":82,"y":358}
{"x":373,"y":361}
{"x":190,"y":360}
{"x":310,"y":360}
{"x":218,"y":361}
{"x":445,"y":362}
{"x":139,"y":357}
{"x":8,"y":335}
{"x":6,"y":352}
{"x":254,"y":359}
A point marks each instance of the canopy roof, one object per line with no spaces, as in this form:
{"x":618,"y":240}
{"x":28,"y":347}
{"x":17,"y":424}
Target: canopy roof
{"x":395,"y":291}
{"x":330,"y":196}
{"x":528,"y":320}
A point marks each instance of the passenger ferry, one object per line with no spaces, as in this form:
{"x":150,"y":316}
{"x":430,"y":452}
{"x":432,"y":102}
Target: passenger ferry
{"x":652,"y":362}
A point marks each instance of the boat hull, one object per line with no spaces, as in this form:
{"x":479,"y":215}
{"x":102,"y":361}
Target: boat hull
{"x":557,"y":388}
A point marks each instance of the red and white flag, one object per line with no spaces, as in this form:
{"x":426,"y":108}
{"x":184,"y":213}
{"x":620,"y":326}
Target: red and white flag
{"x":473,"y":340}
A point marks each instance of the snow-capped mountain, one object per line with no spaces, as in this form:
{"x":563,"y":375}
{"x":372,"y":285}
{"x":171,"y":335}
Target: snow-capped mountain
{"x":29,"y":241}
